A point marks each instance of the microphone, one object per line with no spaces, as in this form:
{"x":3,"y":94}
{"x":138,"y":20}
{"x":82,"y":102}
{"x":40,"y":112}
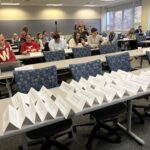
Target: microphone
{"x":55,"y":22}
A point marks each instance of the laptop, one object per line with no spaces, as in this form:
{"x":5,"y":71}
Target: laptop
{"x":9,"y":66}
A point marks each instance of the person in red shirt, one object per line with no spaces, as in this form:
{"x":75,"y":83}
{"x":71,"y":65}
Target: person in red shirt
{"x":6,"y":54}
{"x":29,"y":45}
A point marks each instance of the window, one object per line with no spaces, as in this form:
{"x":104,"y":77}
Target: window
{"x":137,"y":15}
{"x":118,"y":20}
{"x":110,"y":19}
{"x":123,"y":19}
{"x":127,"y":19}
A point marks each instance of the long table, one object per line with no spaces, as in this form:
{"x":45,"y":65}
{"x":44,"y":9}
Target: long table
{"x":64,"y":64}
{"x":4,"y":103}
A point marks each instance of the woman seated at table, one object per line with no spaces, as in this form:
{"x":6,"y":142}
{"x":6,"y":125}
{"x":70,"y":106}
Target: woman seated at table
{"x":29,"y":45}
{"x":76,"y":41}
{"x":57,"y":43}
{"x":131,"y":35}
{"x":39,"y":40}
{"x":6,"y":54}
{"x":112,"y":37}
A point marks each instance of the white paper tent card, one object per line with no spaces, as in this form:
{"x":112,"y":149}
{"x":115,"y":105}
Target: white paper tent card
{"x":76,"y":85}
{"x":67,"y":87}
{"x":36,"y":54}
{"x":49,"y":103}
{"x":121,"y":92}
{"x":109,"y":94}
{"x":10,"y":119}
{"x":33,"y":95}
{"x":100,"y":97}
{"x":90,"y":98}
{"x":106,"y":77}
{"x":28,"y":67}
{"x":77,"y":102}
{"x":19,"y":97}
{"x":63,"y":106}
{"x":97,"y":81}
{"x":42,"y":111}
{"x":131,"y":88}
{"x":84,"y":83}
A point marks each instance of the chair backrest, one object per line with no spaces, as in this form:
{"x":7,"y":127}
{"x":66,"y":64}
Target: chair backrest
{"x":86,"y":69}
{"x":148,"y":56}
{"x":81,"y":52}
{"x":53,"y":56}
{"x":119,"y":61}
{"x":140,"y":38}
{"x":36,"y":78}
{"x":109,"y":48}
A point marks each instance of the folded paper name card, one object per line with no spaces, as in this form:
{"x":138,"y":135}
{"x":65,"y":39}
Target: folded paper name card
{"x":11,"y":119}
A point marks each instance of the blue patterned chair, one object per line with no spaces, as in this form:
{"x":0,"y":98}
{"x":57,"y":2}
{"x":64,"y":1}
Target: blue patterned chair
{"x":139,"y":39}
{"x":103,"y":115}
{"x":84,"y":69}
{"x":81,"y":52}
{"x":37,"y":78}
{"x":53,"y":56}
{"x":109,"y":48}
{"x":148,"y":56}
{"x":119,"y":61}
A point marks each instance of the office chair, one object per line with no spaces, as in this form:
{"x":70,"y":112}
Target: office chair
{"x":54,"y":56}
{"x":103,"y":115}
{"x":109,"y":48}
{"x":81,"y":52}
{"x":49,"y":56}
{"x":139,"y":39}
{"x":37,"y":78}
{"x":122,"y":62}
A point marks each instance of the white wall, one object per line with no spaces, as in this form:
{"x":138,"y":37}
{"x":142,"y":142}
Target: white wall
{"x":39,"y":13}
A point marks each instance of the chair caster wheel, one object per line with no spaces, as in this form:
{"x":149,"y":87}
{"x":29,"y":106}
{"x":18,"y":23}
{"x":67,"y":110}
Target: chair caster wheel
{"x":74,"y":129}
{"x":20,"y":147}
{"x":88,"y":146}
{"x":118,"y":140}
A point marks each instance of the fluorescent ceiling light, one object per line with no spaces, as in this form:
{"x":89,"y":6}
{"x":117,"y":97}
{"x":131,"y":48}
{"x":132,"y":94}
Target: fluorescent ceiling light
{"x":14,"y":4}
{"x":107,"y":0}
{"x":54,"y":4}
{"x":89,"y":5}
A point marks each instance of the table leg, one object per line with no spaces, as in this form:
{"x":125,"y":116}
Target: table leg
{"x":129,"y":123}
{"x":141,"y":61}
{"x":24,"y":144}
{"x":8,"y":87}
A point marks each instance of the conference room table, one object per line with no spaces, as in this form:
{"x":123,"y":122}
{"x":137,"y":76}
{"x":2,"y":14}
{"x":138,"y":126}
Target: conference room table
{"x":64,"y":64}
{"x":57,"y":91}
{"x":40,"y":54}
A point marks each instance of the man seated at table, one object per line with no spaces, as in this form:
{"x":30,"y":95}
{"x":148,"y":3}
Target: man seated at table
{"x":95,"y":40}
{"x":6,"y":53}
{"x":57,"y":43}
{"x":29,"y":45}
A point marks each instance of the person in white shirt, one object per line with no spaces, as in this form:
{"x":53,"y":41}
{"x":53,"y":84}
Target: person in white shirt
{"x":57,"y":43}
{"x":76,"y":41}
{"x":94,"y":40}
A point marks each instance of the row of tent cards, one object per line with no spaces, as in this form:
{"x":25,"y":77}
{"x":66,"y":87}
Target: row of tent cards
{"x":34,"y":107}
{"x":43,"y":105}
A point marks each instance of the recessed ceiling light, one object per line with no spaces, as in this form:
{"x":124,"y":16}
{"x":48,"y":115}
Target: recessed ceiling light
{"x":54,"y":4}
{"x":14,"y":4}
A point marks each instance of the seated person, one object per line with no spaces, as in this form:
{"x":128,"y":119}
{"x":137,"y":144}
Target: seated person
{"x":16,"y":40}
{"x":112,"y":37}
{"x":139,"y":30}
{"x":29,"y":45}
{"x":39,"y":40}
{"x":131,"y":34}
{"x":57,"y":43}
{"x":76,"y":41}
{"x":94,"y":40}
{"x":6,"y":54}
